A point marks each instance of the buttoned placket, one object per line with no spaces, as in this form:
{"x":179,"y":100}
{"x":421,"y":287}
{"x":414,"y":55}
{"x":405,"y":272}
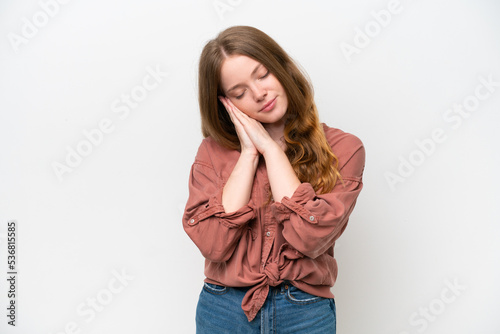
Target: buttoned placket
{"x":269,"y":225}
{"x":269,"y":233}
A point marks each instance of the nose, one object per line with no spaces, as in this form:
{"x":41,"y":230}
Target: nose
{"x":259,"y":92}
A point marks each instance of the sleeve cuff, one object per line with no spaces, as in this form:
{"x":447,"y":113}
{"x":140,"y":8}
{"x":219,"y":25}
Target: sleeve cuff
{"x":215,"y":208}
{"x":303,"y":194}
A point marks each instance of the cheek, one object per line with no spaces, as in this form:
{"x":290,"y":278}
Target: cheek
{"x":242,"y":105}
{"x":276,"y":84}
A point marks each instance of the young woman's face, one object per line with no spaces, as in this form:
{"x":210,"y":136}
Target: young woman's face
{"x":253,"y":89}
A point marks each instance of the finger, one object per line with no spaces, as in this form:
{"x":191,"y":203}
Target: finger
{"x":239,"y":118}
{"x":227,"y":107}
{"x":237,"y":113}
{"x":242,"y":117}
{"x":232,"y":106}
{"x":224,"y":100}
{"x":232,"y":110}
{"x":224,"y":103}
{"x":236,"y":121}
{"x":245,"y":122}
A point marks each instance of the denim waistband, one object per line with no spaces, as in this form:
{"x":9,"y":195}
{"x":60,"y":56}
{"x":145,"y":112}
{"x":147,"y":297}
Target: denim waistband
{"x":280,"y":288}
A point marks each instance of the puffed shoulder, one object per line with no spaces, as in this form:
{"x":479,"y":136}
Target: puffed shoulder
{"x":349,"y":150}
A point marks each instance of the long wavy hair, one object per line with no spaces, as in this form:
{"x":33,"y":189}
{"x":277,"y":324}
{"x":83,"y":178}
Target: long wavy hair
{"x":306,"y":146}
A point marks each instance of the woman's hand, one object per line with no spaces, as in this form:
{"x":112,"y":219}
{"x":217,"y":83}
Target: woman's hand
{"x":246,"y":144}
{"x":251,"y":132}
{"x":253,"y":135}
{"x":238,"y":188}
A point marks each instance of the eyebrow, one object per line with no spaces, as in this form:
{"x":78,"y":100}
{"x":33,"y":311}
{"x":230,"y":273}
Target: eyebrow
{"x":238,"y":85}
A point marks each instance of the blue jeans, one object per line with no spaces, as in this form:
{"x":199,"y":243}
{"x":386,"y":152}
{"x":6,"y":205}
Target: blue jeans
{"x":286,"y":310}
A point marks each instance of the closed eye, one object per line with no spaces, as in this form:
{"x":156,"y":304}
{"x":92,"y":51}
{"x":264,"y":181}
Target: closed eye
{"x":262,"y":77}
{"x":240,"y":96}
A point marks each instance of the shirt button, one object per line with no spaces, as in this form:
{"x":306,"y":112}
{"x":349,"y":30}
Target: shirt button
{"x":268,"y":234}
{"x":311,"y":218}
{"x":191,"y":221}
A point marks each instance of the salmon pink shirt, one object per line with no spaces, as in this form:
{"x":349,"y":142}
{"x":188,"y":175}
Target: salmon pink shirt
{"x":263,"y":245}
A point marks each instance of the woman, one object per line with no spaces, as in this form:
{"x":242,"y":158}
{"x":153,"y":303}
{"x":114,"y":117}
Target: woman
{"x":270,"y":191}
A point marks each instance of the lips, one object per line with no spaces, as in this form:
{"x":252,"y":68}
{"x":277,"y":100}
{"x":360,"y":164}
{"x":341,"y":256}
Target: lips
{"x":267,"y":105}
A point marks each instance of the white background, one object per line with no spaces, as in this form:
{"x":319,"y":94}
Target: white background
{"x":119,"y":209}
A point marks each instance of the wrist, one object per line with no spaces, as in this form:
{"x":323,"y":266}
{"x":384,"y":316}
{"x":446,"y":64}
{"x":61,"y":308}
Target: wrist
{"x":272,"y":149}
{"x":249,"y":157}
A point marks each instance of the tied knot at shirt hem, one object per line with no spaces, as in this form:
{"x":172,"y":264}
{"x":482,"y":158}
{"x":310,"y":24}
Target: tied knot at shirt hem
{"x":272,"y":274}
{"x":257,"y":295}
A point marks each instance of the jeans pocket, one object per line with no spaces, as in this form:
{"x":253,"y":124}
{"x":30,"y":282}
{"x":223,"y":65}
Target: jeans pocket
{"x":297,"y":296}
{"x":214,"y":288}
